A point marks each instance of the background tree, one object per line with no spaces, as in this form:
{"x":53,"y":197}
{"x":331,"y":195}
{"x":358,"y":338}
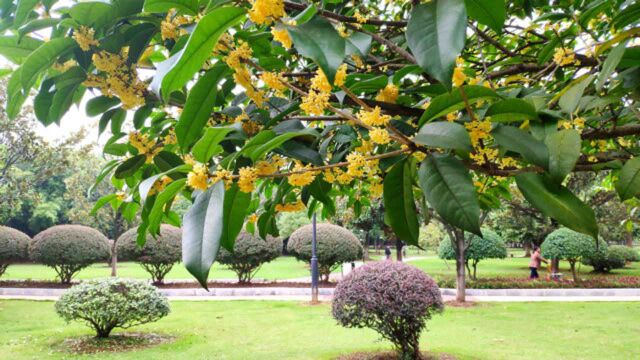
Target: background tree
{"x":566,"y":244}
{"x":250,"y":252}
{"x":489,"y":246}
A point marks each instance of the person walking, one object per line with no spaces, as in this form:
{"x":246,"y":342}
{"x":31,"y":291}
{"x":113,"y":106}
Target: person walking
{"x":534,"y":264}
{"x":387,"y":252}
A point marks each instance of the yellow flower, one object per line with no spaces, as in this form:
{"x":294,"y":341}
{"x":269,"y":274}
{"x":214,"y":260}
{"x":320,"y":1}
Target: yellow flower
{"x":563,"y":57}
{"x":341,"y":75}
{"x":379,"y":136}
{"x":108,"y":62}
{"x":224,"y":175}
{"x":388,"y":94}
{"x":365,"y":147}
{"x":458,"y":77}
{"x":305,"y":176}
{"x":198,"y":176}
{"x":64,"y":66}
{"x":84,"y":37}
{"x":376,"y":189}
{"x":282,"y":36}
{"x":298,"y":206}
{"x":360,"y":18}
{"x":266,"y":11}
{"x":273,"y":81}
{"x":247,"y":181}
{"x":266,"y":168}
{"x":373,"y":117}
{"x":170,"y":138}
{"x":237,"y":55}
{"x":329,"y":176}
{"x":481,"y":155}
{"x":357,"y":60}
{"x":342,"y":30}
{"x":253,"y":218}
{"x":159,"y":185}
{"x":357,"y":164}
{"x":315,"y":103}
{"x":478,"y":130}
{"x":320,"y":82}
{"x":451,"y":117}
{"x":170,"y":26}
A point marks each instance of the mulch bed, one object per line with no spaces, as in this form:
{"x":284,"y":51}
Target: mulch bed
{"x":115,"y":343}
{"x":390,"y":355}
{"x":174,"y":285}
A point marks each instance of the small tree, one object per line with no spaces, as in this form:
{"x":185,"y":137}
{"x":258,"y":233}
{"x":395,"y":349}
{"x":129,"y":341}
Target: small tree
{"x":158,"y":255}
{"x":336,"y":245}
{"x":14,"y":246}
{"x":566,"y":244}
{"x":490,"y":246}
{"x":363,"y":299}
{"x":249,"y":253}
{"x":606,"y":259}
{"x":69,"y":249}
{"x":112,"y":303}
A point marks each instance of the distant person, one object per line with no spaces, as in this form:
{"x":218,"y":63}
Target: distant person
{"x":534,"y":264}
{"x":387,"y":252}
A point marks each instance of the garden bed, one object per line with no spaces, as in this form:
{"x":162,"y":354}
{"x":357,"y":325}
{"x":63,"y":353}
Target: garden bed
{"x":170,"y":285}
{"x":594,"y":282}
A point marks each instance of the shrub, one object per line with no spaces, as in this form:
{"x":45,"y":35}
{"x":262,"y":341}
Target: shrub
{"x":69,"y":249}
{"x":111,"y":303}
{"x":566,"y":244}
{"x":606,"y":260}
{"x":491,"y":246}
{"x":392,"y":298}
{"x":14,"y":246}
{"x":249,"y":253}
{"x":158,"y":255}
{"x":335,"y":245}
{"x":629,"y":254}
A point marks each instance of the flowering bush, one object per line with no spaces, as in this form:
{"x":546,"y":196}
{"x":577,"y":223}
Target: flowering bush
{"x":158,"y":254}
{"x":249,"y":253}
{"x":393,"y":298}
{"x":336,"y":245}
{"x":68,"y":249}
{"x":13,"y":247}
{"x":112,"y":303}
{"x":489,"y":246}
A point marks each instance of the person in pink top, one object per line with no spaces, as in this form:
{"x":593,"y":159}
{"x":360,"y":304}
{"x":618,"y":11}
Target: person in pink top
{"x":534,"y":264}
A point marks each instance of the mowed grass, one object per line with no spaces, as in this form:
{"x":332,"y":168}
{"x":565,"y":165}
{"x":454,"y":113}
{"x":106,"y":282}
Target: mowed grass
{"x":291,"y":330}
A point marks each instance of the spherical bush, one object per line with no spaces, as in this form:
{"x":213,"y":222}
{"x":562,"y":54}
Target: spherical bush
{"x":607,"y":259}
{"x":566,"y":244}
{"x":335,"y":245}
{"x":392,"y":298}
{"x":14,"y":246}
{"x":629,"y":254}
{"x":68,"y":249}
{"x":158,"y":255}
{"x":249,"y":253}
{"x":112,"y":303}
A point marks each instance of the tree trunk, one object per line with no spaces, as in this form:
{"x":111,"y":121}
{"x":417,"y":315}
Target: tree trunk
{"x":527,"y":248}
{"x":399,"y":250}
{"x":461,"y":282}
{"x":555,"y":266}
{"x":573,"y":271}
{"x":365,"y":255}
{"x":114,"y":260}
{"x":475,"y":270}
{"x":629,"y":236}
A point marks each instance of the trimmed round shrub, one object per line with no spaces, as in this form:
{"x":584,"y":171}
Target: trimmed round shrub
{"x":69,"y":249}
{"x":566,"y":244}
{"x":491,"y":246}
{"x":111,"y":303}
{"x":606,"y":260}
{"x":392,"y":298}
{"x":629,"y":254}
{"x":158,"y":255}
{"x":14,"y":247}
{"x":335,"y":245}
{"x":249,"y":253}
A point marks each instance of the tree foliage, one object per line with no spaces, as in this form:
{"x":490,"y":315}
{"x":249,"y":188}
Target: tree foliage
{"x":249,"y":253}
{"x":157,"y":255}
{"x":14,"y":246}
{"x":489,"y":246}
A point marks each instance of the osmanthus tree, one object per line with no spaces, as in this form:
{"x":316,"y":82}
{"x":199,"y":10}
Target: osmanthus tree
{"x":254,"y":107}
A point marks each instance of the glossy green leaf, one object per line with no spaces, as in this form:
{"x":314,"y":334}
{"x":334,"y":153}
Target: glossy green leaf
{"x":99,"y":104}
{"x":448,"y":187}
{"x":444,"y":134}
{"x":609,"y":65}
{"x":37,"y":24}
{"x":100,"y":203}
{"x":198,"y":48}
{"x":513,"y":139}
{"x":630,"y":15}
{"x":23,"y":9}
{"x":15,"y":95}
{"x":146,"y":185}
{"x":163,"y":198}
{"x":236,"y":204}
{"x":488,"y":12}
{"x":130,"y":166}
{"x":320,"y":189}
{"x":511,"y":110}
{"x":208,"y":145}
{"x":94,"y":14}
{"x":42,"y":59}
{"x":16,"y":49}
{"x":572,"y":95}
{"x":202,"y":231}
{"x":199,"y":106}
{"x":564,"y":151}
{"x":436,"y":35}
{"x":558,"y":202}
{"x":189,"y":7}
{"x":449,"y":102}
{"x":318,"y":40}
{"x":399,"y":203}
{"x":628,"y":184}
{"x":259,"y":151}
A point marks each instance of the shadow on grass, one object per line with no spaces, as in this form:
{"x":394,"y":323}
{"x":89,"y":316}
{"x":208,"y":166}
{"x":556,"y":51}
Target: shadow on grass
{"x":121,"y":342}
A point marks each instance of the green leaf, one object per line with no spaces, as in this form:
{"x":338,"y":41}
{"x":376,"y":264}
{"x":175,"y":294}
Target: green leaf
{"x":400,"y":207}
{"x":130,"y":166}
{"x":165,"y":197}
{"x":320,"y":189}
{"x":511,"y":110}
{"x":100,"y":104}
{"x":14,"y":94}
{"x":564,"y":151}
{"x":444,"y":134}
{"x":94,"y":14}
{"x":100,"y":203}
{"x":558,"y":202}
{"x":16,"y":49}
{"x":199,"y":105}
{"x":24,"y":8}
{"x":202,"y":231}
{"x":436,"y":36}
{"x":573,"y":93}
{"x":146,"y":185}
{"x":488,"y":12}
{"x":236,"y":204}
{"x":208,"y":145}
{"x":609,"y":65}
{"x":259,"y":151}
{"x":37,"y":24}
{"x":448,"y":187}
{"x":318,"y":40}
{"x":358,"y":43}
{"x":189,"y":7}
{"x":42,"y":59}
{"x":629,"y":15}
{"x":628,"y":184}
{"x":513,"y":139}
{"x":449,"y":102}
{"x":199,"y":47}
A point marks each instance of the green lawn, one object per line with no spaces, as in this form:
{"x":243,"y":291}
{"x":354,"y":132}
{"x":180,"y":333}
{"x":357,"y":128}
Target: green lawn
{"x":289,"y":330}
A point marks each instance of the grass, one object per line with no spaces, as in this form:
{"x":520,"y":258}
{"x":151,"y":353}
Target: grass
{"x":290,"y":330}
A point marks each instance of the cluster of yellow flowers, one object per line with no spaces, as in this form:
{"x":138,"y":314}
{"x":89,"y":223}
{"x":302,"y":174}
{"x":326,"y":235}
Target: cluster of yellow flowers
{"x":478,"y":130}
{"x":268,"y":167}
{"x":223,"y":175}
{"x":289,"y":207}
{"x":373,"y":117}
{"x":564,"y":57}
{"x":159,"y":185}
{"x":577,"y":123}
{"x":198,"y":177}
{"x":459,"y":77}
{"x":304,"y":175}
{"x":379,"y":136}
{"x":282,"y":36}
{"x":248,"y":177}
{"x":320,"y":91}
{"x":84,"y":37}
{"x":249,"y":126}
{"x":170,"y":138}
{"x":264,"y":12}
{"x":275,"y":82}
{"x":64,"y":66}
{"x":388,"y":94}
{"x":242,"y":75}
{"x":144,"y":145}
{"x":170,"y":28}
{"x":482,"y":154}
{"x":120,"y":80}
{"x":376,"y":188}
